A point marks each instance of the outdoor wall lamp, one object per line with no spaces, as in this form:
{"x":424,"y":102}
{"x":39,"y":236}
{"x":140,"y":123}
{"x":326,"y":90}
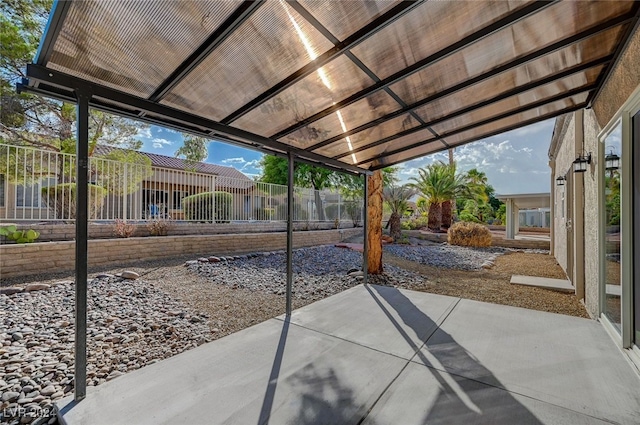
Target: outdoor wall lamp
{"x":611,"y":161}
{"x":580,"y":163}
{"x":560,"y":181}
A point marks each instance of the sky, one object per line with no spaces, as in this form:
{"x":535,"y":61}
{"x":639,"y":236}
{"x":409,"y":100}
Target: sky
{"x":514,"y":162}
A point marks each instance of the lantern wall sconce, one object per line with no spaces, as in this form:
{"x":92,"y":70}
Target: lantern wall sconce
{"x":560,"y":181}
{"x":580,"y":163}
{"x":611,"y":161}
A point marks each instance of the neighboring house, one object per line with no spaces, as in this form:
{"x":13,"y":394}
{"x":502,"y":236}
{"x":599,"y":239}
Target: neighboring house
{"x":595,"y":213}
{"x":159,"y":194}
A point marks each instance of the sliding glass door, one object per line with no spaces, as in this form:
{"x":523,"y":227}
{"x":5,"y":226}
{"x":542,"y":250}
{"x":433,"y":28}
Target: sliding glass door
{"x":612,"y":306}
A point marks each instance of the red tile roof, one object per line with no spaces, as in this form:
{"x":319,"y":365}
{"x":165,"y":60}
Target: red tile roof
{"x":235,"y":179}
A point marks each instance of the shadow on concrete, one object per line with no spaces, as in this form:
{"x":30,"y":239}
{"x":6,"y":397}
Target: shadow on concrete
{"x":322,"y":398}
{"x":267,"y":403}
{"x":461,"y":400}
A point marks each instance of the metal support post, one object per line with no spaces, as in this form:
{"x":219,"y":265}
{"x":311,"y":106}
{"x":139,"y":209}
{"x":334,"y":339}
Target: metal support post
{"x":290,"y":211}
{"x":82,"y":202}
{"x":365,"y":224}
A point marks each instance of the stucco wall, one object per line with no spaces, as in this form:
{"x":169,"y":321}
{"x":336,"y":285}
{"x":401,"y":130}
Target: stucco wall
{"x":25,"y":259}
{"x":564,"y":158}
{"x":622,"y":82}
{"x":591,"y":225}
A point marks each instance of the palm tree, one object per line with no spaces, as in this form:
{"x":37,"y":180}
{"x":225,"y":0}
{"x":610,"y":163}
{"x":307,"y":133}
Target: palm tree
{"x":438,"y":183}
{"x":397,"y":198}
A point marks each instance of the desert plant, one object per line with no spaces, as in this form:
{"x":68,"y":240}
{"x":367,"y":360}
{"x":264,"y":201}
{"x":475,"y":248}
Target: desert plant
{"x":208,"y":206}
{"x":263,"y":213}
{"x":354,"y":211}
{"x":62,"y":197}
{"x":397,"y":198}
{"x":159,"y":227}
{"x":469,"y":234}
{"x":122,"y":229}
{"x":19,"y":236}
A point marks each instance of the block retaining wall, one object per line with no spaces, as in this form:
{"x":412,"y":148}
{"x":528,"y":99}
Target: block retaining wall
{"x":67,"y":232}
{"x":26,"y":259}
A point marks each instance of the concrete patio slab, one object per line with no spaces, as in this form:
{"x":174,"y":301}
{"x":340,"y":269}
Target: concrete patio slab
{"x":562,"y":360}
{"x":345,"y":360}
{"x":562,"y":285}
{"x":449,"y":399}
{"x":271,"y":372}
{"x":374,"y":321}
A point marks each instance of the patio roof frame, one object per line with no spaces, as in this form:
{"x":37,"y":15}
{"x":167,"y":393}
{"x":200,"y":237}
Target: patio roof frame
{"x":576,"y":38}
{"x":489,"y":120}
{"x":513,"y":92}
{"x":340,"y":47}
{"x":484,"y":32}
{"x":490,"y":134}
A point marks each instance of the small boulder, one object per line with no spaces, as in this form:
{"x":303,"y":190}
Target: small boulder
{"x":214,"y":259}
{"x":10,"y":290}
{"x":127,"y":274}
{"x":37,"y":287}
{"x":203,"y":260}
{"x":352,"y":270}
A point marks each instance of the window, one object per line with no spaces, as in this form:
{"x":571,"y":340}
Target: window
{"x":177,"y":198}
{"x":29,"y":196}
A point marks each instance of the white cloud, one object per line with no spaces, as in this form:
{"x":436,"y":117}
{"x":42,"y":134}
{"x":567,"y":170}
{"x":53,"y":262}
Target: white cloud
{"x":234,"y":161}
{"x":255,"y":164}
{"x":144,"y":133}
{"x":159,"y":143}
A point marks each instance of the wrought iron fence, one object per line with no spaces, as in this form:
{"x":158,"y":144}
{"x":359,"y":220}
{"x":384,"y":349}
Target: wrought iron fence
{"x":40,"y":185}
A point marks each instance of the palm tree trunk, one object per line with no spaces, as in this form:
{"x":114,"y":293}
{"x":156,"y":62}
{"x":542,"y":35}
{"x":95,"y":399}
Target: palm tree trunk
{"x":447,"y":214}
{"x":395,"y":227}
{"x":435,"y":217}
{"x":374,"y":231}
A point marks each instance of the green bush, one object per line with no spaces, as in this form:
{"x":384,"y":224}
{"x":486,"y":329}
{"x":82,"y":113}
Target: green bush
{"x":469,"y":234}
{"x":12,"y":233}
{"x":62,"y":197}
{"x":415,"y":223}
{"x":216,"y":207}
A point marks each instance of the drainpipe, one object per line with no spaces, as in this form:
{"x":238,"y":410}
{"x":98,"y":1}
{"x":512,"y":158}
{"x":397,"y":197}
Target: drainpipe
{"x":578,"y":210}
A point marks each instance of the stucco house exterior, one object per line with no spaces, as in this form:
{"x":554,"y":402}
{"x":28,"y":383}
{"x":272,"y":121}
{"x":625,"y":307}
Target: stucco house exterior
{"x":170,"y":180}
{"x":595,"y":213}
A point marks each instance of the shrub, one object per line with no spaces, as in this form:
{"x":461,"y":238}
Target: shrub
{"x":123,"y":230}
{"x":469,"y":234}
{"x":208,"y":206}
{"x":12,"y":233}
{"x":62,"y":197}
{"x":159,"y":227}
{"x":415,"y":223}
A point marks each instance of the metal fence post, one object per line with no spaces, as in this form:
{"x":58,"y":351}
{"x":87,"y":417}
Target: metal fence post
{"x":365,"y":224}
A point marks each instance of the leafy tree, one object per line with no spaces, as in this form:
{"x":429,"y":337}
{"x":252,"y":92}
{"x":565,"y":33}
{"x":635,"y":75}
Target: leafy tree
{"x":193,"y":149}
{"x":29,"y":120}
{"x":397,"y":198}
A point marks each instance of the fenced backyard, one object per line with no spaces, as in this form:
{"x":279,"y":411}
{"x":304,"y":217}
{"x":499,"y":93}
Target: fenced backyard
{"x":39,"y":185}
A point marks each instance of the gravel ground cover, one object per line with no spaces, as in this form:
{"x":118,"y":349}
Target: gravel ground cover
{"x":130,"y":324}
{"x":447,"y":256}
{"x":180,"y":303}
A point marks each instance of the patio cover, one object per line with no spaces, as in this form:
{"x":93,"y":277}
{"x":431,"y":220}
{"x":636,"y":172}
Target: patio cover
{"x":353,"y":85}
